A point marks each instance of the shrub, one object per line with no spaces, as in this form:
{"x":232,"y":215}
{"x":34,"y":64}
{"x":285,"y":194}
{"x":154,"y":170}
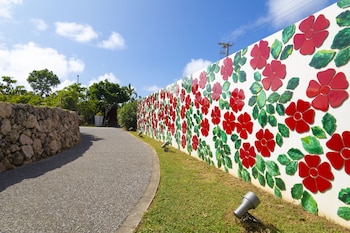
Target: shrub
{"x":127,"y":115}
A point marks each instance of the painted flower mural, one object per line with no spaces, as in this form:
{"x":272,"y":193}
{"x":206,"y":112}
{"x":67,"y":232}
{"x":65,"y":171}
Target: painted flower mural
{"x":316,"y":176}
{"x":265,"y":143}
{"x":247,"y":155}
{"x":272,"y":112}
{"x":340,"y":156}
{"x":226,"y":68}
{"x":300,"y":116}
{"x":329,"y":90}
{"x":273,"y":73}
{"x":313,"y":34}
{"x":260,"y":53}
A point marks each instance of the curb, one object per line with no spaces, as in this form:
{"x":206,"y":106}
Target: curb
{"x":132,"y":221}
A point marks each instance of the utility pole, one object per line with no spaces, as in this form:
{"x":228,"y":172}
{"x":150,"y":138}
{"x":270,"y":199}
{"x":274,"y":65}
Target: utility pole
{"x":78,"y":79}
{"x":225,"y":46}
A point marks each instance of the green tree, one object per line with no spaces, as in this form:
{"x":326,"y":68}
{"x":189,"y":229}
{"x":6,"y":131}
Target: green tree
{"x":43,"y":81}
{"x":88,"y":109}
{"x":7,"y":85}
{"x":109,"y":95}
{"x":127,"y":115}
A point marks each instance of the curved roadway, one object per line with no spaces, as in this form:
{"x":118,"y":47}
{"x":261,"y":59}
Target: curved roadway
{"x":104,"y":184}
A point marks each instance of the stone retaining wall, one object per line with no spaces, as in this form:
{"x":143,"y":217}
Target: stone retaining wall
{"x":29,"y":134}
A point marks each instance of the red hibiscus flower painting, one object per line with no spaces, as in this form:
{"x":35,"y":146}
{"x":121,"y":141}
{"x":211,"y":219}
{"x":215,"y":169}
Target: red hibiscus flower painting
{"x":260,"y":54}
{"x":274,"y":72}
{"x":195,"y":142}
{"x":226,"y":68}
{"x":184,"y":127}
{"x":197,"y":99}
{"x":265,"y":143}
{"x":215,"y":115}
{"x":202,"y":79}
{"x":195,"y":86}
{"x":247,"y":155}
{"x":316,"y":176}
{"x":205,"y":127}
{"x":216,"y":91}
{"x":229,"y":122}
{"x":244,"y":126}
{"x":340,"y":156}
{"x":300,"y":116}
{"x":313,"y":34}
{"x":237,"y":100}
{"x":183,"y":141}
{"x":205,"y":105}
{"x":329,"y":90}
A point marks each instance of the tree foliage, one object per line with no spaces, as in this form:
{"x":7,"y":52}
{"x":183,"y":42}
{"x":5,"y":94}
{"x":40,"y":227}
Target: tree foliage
{"x":43,"y":81}
{"x":127,"y":115}
{"x":109,"y":94}
{"x":103,"y":96}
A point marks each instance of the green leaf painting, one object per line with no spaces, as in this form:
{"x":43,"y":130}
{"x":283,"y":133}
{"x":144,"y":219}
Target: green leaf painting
{"x":344,"y":196}
{"x":322,"y":58}
{"x":269,"y":180}
{"x":295,"y":154}
{"x":280,"y":183}
{"x":343,"y":57}
{"x":343,"y":3}
{"x":273,"y":98}
{"x":279,"y":139}
{"x":343,"y":19}
{"x":318,"y":132}
{"x":288,"y":33}
{"x":293,"y":83}
{"x":283,"y":159}
{"x":226,"y":86}
{"x":287,"y":51}
{"x":341,"y":40}
{"x":257,"y":76}
{"x":256,"y":88}
{"x":276,"y":49}
{"x":260,"y":164}
{"x":312,"y":145}
{"x":344,"y":212}
{"x":329,"y":123}
{"x":262,"y":118}
{"x":283,"y":129}
{"x":297,"y":191}
{"x":280,"y":109}
{"x":291,"y":168}
{"x":261,"y":99}
{"x":308,"y":203}
{"x":285,"y":97}
{"x":272,"y":168}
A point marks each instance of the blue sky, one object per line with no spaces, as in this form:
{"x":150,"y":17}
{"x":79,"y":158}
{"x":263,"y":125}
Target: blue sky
{"x":146,"y":43}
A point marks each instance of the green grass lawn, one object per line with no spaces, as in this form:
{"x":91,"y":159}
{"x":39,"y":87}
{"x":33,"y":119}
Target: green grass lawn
{"x":195,"y":197}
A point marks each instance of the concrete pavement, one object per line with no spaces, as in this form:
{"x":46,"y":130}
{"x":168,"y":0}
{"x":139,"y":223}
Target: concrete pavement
{"x":104,"y":184}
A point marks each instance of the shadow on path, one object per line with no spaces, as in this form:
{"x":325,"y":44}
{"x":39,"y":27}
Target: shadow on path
{"x":11,"y":177}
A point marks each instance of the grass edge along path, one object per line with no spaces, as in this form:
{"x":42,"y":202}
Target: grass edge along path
{"x":195,"y":197}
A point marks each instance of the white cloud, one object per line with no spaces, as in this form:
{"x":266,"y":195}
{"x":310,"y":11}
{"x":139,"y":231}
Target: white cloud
{"x":6,"y":7}
{"x":280,"y":14}
{"x":195,"y":65}
{"x":39,"y":24}
{"x":285,"y":12}
{"x":152,"y":88}
{"x":115,"y":41}
{"x":109,"y":76}
{"x":22,"y":59}
{"x":78,"y":32}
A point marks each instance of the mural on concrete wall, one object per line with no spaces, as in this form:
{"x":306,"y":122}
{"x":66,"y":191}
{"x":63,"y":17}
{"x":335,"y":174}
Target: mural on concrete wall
{"x":273,"y":114}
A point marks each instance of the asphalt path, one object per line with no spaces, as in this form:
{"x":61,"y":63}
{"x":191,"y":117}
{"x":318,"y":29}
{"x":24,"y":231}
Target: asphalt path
{"x":104,"y":184}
